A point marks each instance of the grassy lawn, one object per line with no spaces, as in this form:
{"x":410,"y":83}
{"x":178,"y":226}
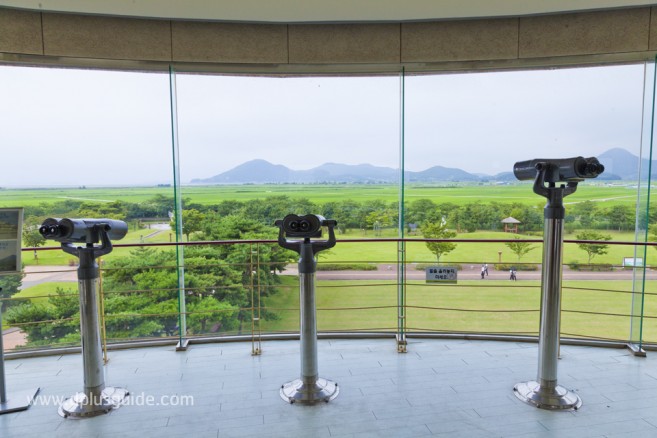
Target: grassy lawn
{"x":498,"y":307}
{"x":506,"y":307}
{"x":417,"y":252}
{"x":40,"y":292}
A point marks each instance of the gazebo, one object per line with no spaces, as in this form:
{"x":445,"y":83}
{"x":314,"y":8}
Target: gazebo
{"x":511,"y":225}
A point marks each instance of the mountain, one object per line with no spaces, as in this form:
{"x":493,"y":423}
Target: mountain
{"x":440,"y":173}
{"x":619,"y":165}
{"x":261,"y":172}
{"x":255,"y":171}
{"x":622,"y":164}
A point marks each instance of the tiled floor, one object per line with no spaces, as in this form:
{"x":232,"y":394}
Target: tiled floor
{"x":440,"y":387}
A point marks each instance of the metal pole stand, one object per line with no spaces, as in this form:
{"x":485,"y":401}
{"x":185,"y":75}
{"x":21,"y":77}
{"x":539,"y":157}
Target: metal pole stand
{"x":310,"y":388}
{"x":544,"y":393}
{"x":19,"y":401}
{"x":96,"y":398}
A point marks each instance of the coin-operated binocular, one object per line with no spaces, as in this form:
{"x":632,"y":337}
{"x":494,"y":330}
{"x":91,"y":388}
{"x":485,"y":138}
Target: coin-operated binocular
{"x":96,"y":398}
{"x":302,"y":234}
{"x":82,"y":230}
{"x":544,"y":392}
{"x":559,"y":170}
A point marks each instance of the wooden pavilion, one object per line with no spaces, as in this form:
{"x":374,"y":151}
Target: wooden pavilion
{"x":511,"y":225}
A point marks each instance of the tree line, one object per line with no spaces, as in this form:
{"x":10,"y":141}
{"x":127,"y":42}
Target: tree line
{"x":369,"y":215}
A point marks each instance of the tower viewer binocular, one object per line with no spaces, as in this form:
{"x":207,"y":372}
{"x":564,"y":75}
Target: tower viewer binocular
{"x":82,"y":230}
{"x":559,"y":170}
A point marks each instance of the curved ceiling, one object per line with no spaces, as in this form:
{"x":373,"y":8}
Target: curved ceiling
{"x":317,"y":11}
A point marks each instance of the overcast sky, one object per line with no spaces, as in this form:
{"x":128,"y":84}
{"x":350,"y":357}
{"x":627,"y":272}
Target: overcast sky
{"x":85,"y":127}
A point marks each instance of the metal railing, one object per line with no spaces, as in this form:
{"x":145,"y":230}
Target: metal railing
{"x":255,"y":304}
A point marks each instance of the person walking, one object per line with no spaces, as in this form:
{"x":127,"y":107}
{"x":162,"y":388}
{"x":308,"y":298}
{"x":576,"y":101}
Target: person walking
{"x":483,"y":271}
{"x":486,"y":269}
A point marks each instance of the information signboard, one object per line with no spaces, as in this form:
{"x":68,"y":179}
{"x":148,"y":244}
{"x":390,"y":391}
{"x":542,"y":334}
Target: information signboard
{"x":11,"y":227}
{"x":441,"y":274}
{"x":632,"y":262}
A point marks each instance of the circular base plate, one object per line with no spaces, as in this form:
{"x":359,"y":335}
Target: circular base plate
{"x":298,"y":392}
{"x":81,"y":406}
{"x":558,"y":398}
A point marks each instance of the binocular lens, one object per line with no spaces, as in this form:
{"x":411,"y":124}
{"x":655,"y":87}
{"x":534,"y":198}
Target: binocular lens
{"x":300,"y":225}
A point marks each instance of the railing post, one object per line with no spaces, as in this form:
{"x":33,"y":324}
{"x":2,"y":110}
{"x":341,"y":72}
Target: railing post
{"x":101,"y":311}
{"x":256,"y":340}
{"x":401,"y":297}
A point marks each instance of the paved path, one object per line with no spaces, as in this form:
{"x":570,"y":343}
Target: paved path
{"x":469,"y":272}
{"x":13,"y":337}
{"x":42,"y":274}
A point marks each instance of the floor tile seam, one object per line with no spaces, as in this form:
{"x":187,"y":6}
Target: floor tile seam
{"x":594,"y":423}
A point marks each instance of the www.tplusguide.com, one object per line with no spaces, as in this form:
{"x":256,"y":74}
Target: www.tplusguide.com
{"x":140,"y":399}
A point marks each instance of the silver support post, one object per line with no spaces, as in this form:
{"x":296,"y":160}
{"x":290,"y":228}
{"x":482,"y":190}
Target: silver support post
{"x":19,"y":401}
{"x":3,"y":390}
{"x":545,"y":393}
{"x":308,"y":329}
{"x":96,"y":398}
{"x":310,"y":388}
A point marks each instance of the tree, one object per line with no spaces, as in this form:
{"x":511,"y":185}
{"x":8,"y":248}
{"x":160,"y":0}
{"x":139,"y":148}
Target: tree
{"x":520,"y":247}
{"x":32,"y":237}
{"x":45,"y":324}
{"x":379,"y":219}
{"x":438,"y":230}
{"x":110,"y":210}
{"x":593,"y":249}
{"x":192,"y":221}
{"x":620,"y":217}
{"x":422,"y":210}
{"x":586,"y":211}
{"x":9,"y":284}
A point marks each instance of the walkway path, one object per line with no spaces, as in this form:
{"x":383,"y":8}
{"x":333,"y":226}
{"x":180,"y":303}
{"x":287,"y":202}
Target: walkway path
{"x":42,"y":274}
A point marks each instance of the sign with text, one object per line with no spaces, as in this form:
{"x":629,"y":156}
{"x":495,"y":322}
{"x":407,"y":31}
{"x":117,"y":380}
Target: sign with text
{"x":11,"y":227}
{"x":632,"y":262}
{"x":441,"y":274}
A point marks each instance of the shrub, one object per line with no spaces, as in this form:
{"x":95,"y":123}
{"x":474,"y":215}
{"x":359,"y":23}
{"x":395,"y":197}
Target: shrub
{"x":518,"y":266}
{"x":423,"y":266}
{"x":586,"y":267}
{"x":346,"y":267}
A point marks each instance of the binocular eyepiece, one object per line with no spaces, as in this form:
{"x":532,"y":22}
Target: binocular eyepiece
{"x":307,"y":226}
{"x":82,"y":230}
{"x":559,"y":170}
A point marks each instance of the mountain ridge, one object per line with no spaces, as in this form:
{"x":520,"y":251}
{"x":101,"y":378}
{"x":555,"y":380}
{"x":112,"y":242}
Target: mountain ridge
{"x":619,"y":163}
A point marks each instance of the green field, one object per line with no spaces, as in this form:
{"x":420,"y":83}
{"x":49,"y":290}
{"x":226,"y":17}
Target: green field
{"x":504,"y":307}
{"x":455,"y":193}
